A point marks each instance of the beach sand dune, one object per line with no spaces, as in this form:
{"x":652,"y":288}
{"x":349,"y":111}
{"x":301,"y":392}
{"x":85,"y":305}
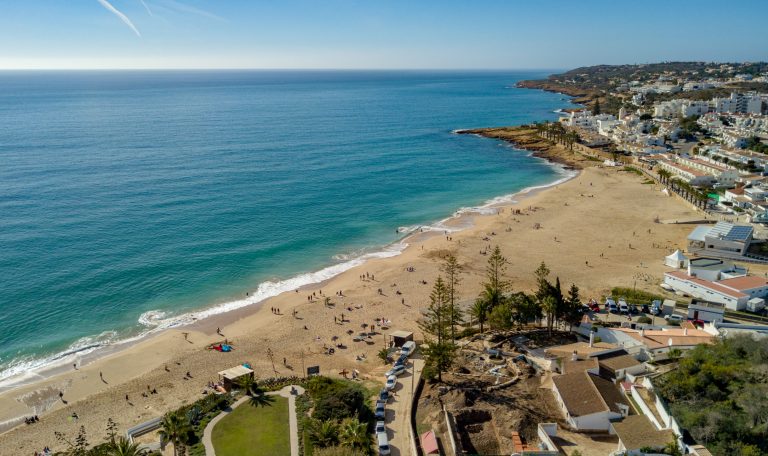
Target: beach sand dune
{"x":596,"y":230}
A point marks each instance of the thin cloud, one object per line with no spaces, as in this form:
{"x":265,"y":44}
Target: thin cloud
{"x":122,"y":16}
{"x":184,"y":8}
{"x":146,"y":7}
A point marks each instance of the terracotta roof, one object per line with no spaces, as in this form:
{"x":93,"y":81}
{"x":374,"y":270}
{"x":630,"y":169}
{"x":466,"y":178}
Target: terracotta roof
{"x":619,"y":362}
{"x":678,"y":337}
{"x":714,"y":286}
{"x":744,"y":283}
{"x":585,"y":394}
{"x":569,"y":366}
{"x":636,"y":431}
{"x":581,"y":348}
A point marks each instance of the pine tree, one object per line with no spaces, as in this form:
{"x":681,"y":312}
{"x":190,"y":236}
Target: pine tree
{"x":573,"y":306}
{"x":497,"y":266}
{"x":436,"y":325}
{"x":596,"y":109}
{"x":452,"y":270}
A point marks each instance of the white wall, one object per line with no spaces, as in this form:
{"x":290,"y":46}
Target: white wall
{"x":596,"y":421}
{"x":699,"y":291}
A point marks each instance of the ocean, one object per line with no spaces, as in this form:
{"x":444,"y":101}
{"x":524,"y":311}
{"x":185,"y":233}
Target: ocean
{"x":133,"y":201}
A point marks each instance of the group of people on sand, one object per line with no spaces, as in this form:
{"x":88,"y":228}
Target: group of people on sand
{"x":367,"y":276}
{"x":46,"y":452}
{"x":31,"y":420}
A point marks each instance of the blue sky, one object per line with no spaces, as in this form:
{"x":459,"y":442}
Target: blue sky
{"x":481,"y":34}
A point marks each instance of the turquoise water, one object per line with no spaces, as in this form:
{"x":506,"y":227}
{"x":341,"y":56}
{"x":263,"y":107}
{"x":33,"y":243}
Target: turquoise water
{"x":128,"y":199}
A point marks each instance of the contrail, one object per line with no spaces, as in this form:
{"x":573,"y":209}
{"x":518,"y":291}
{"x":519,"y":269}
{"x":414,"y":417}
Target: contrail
{"x":122,"y":16}
{"x":147,"y":7}
{"x":173,"y":4}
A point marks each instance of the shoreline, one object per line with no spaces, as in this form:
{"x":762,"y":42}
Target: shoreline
{"x":225,"y":312}
{"x":523,"y":225}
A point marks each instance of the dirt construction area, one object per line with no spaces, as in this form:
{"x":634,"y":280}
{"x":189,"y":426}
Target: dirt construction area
{"x":491,"y":392}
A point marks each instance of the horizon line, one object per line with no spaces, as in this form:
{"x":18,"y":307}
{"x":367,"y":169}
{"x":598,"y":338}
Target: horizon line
{"x":275,"y":69}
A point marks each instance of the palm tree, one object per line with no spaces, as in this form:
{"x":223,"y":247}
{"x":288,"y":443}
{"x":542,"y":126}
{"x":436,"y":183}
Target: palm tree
{"x":664,"y":176}
{"x":354,"y":434}
{"x":248,"y":384}
{"x":479,"y":311}
{"x":174,"y":428}
{"x":549,"y":305}
{"x":124,"y":447}
{"x":383,"y":355}
{"x":324,"y":433}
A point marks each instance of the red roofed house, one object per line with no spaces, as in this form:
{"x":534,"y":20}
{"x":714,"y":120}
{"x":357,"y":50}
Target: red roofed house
{"x":589,"y":402}
{"x":733,"y":293}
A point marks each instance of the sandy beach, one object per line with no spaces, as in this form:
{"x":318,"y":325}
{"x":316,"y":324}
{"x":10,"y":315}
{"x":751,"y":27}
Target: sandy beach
{"x":596,"y":230}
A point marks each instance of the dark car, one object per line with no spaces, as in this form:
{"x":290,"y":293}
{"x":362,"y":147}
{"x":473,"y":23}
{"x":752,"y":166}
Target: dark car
{"x":383,"y":395}
{"x":646,"y":310}
{"x":380,"y":411}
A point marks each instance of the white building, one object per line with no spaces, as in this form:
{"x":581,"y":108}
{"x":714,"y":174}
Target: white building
{"x":722,"y":238}
{"x":714,"y":269}
{"x":739,"y":103}
{"x":732,"y":293}
{"x":589,"y":402}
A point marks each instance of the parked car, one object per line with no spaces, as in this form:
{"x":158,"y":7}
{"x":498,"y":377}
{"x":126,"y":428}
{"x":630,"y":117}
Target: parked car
{"x":623,"y":307}
{"x":656,"y":307}
{"x":380,"y":426}
{"x":391,"y":382}
{"x":395,"y":371}
{"x":645,"y":309}
{"x":383,"y":443}
{"x":383,"y":395}
{"x":380,"y":411}
{"x":610,"y":305}
{"x":594,"y":306}
{"x":671,"y":318}
{"x":633,"y":309}
{"x":402,"y":360}
{"x":408,"y":348}
{"x":696,"y":322}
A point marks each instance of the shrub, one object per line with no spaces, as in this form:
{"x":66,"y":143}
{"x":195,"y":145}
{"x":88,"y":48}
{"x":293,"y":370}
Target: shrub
{"x":345,"y":404}
{"x":645,"y":320}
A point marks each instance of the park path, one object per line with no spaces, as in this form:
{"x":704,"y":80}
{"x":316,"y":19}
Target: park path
{"x":293,"y":423}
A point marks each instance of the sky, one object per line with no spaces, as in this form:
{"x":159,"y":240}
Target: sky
{"x":375,"y":34}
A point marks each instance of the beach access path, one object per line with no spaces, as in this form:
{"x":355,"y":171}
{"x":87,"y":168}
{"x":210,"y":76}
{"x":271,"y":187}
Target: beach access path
{"x":293,"y":422}
{"x":399,"y":414}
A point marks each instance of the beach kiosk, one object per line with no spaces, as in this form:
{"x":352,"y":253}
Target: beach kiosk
{"x":398,"y":338}
{"x":230,"y":376}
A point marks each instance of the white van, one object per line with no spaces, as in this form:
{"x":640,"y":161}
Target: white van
{"x":383,"y":441}
{"x":408,"y":348}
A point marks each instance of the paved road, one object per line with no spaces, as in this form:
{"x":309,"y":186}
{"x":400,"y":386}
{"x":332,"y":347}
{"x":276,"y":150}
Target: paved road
{"x":292,"y":420}
{"x":399,"y":410}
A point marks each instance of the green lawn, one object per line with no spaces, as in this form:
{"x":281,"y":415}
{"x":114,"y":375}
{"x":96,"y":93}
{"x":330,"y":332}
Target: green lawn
{"x":254,"y":431}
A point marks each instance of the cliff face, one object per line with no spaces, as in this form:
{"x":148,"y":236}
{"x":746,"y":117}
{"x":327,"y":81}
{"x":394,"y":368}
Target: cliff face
{"x":526,"y":138}
{"x":581,"y":95}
